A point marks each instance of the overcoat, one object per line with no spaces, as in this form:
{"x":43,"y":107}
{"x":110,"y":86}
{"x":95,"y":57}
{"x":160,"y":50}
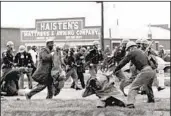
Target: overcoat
{"x":43,"y":72}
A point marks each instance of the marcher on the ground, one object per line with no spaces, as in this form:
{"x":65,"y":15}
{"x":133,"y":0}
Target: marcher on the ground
{"x":9,"y":84}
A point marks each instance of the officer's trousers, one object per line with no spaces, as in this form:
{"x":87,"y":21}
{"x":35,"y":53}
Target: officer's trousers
{"x":144,"y":78}
{"x":74,"y":76}
{"x":39,"y":87}
{"x":81,"y":77}
{"x":21,"y":80}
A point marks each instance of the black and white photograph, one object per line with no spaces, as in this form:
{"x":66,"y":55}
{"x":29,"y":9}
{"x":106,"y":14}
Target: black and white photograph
{"x":85,"y":58}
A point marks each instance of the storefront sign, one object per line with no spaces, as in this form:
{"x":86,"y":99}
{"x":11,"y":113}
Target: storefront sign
{"x":61,"y":29}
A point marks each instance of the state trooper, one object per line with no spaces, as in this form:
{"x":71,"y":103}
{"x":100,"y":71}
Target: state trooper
{"x":119,"y":54}
{"x":42,"y":75}
{"x":145,"y":76}
{"x":70,"y":65}
{"x":93,"y":58}
{"x":138,"y":42}
{"x":24,"y":59}
{"x":7,"y":58}
{"x":151,"y":52}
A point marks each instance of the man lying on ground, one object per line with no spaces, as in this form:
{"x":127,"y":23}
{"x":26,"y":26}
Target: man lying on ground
{"x":103,"y":87}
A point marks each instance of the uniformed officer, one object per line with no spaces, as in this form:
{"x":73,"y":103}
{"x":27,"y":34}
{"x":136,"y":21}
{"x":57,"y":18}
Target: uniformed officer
{"x":138,"y":42}
{"x":119,"y":54}
{"x":7,"y":58}
{"x":161,"y":51}
{"x":80,"y":66}
{"x":144,"y":78}
{"x":24,"y":59}
{"x":92,"y":58}
{"x":152,"y":52}
{"x":70,"y":65}
{"x":42,"y":75}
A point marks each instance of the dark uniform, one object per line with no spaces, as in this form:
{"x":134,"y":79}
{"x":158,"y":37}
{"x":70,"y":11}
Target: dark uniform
{"x":144,"y":78}
{"x":7,"y":62}
{"x":69,"y":61}
{"x":93,"y":57}
{"x":24,"y":60}
{"x":80,"y":68}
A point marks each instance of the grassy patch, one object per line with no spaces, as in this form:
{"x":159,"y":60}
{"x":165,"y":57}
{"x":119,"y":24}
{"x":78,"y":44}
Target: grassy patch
{"x":57,"y":107}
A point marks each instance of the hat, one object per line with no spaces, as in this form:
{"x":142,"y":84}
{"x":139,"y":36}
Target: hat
{"x":130,"y":44}
{"x":22,"y":48}
{"x":10,"y":43}
{"x":161,"y":46}
{"x":125,"y":40}
{"x":95,"y":43}
{"x":49,"y":40}
{"x":144,"y":41}
{"x":138,"y":41}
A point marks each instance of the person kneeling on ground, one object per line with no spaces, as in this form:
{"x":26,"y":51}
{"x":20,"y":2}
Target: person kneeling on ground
{"x":9,"y":84}
{"x":104,"y":88}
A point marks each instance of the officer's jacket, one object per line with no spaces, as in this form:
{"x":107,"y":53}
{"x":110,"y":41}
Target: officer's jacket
{"x":79,"y":62}
{"x":137,"y":57}
{"x":43,"y":71}
{"x":93,"y":56}
{"x":7,"y":59}
{"x":23,"y":59}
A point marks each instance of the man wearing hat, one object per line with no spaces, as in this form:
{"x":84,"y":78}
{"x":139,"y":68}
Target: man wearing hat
{"x":93,"y":57}
{"x":144,"y":78}
{"x":42,"y":75}
{"x":24,"y":59}
{"x":7,"y":58}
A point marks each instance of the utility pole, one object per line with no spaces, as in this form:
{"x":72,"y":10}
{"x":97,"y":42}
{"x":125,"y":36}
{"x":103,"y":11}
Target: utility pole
{"x":102,"y":25}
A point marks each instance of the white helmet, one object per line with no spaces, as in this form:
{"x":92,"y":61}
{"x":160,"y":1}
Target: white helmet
{"x":138,"y":41}
{"x":95,"y":43}
{"x":22,"y":48}
{"x":49,"y":40}
{"x":160,"y":46}
{"x":125,"y":40}
{"x":130,"y":44}
{"x":10,"y":43}
{"x":144,"y":41}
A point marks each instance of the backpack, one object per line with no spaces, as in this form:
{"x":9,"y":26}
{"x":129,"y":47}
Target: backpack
{"x":152,"y":61}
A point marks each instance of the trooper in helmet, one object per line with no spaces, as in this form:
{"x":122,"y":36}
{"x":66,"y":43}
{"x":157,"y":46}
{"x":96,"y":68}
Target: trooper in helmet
{"x":145,"y":76}
{"x":42,"y":75}
{"x":118,"y":55}
{"x":7,"y":58}
{"x":24,"y":59}
{"x":93,"y":59}
{"x":138,"y":42}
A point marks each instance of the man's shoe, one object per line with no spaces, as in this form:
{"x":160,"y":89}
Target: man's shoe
{"x":27,"y":96}
{"x":77,"y":88}
{"x":151,"y":101}
{"x":130,"y":106}
{"x":160,"y":88}
{"x":56,"y":92}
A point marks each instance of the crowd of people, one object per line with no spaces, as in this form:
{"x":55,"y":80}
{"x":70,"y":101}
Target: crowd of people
{"x":52,"y":66}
